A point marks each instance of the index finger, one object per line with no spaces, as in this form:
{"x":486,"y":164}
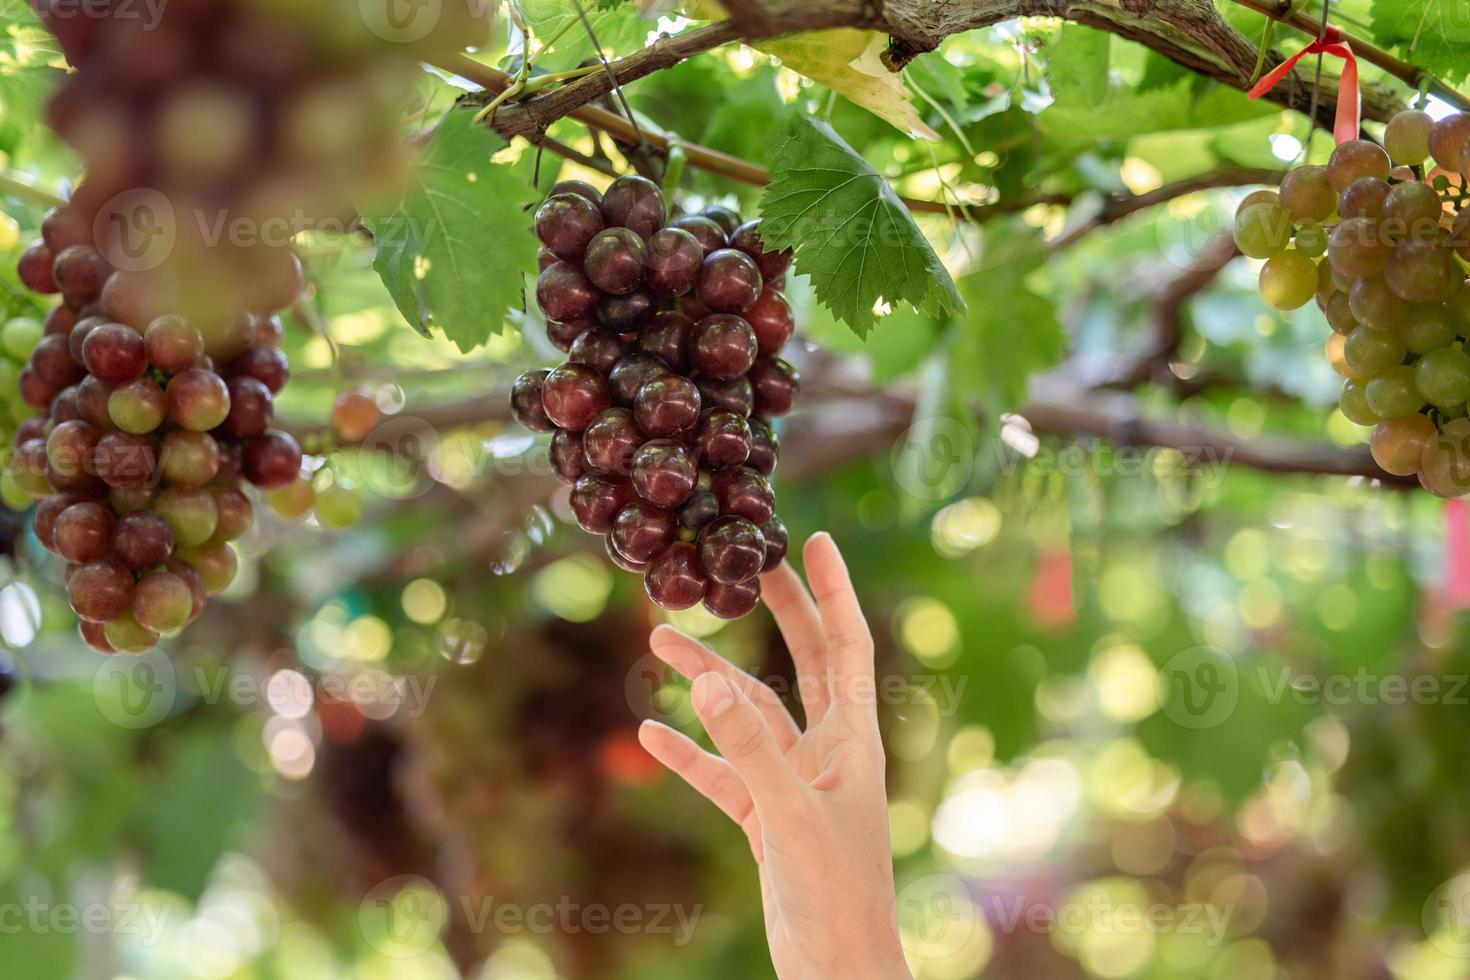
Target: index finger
{"x":849,"y":641}
{"x":801,"y":626}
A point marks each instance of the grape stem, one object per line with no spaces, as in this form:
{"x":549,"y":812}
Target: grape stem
{"x":18,"y":185}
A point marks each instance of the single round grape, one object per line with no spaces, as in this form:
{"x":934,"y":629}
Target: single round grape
{"x":708,"y":233}
{"x":578,"y":187}
{"x":667,"y":406}
{"x":1370,"y":351}
{"x":1358,"y":247}
{"x":139,"y":298}
{"x":127,"y":500}
{"x":293,"y":500}
{"x":1307,"y":194}
{"x":20,"y":335}
{"x":94,"y":401}
{"x":772,"y":265}
{"x":765,"y":447}
{"x":598,"y":348}
{"x":1443,"y":377}
{"x":1398,"y":444}
{"x":773,"y":322}
{"x":101,"y":591}
{"x":355,"y":413}
{"x":265,"y":364}
{"x":188,"y":459}
{"x":1311,"y":240}
{"x":162,"y":602}
{"x":615,"y":260}
{"x":1444,"y":469}
{"x":1394,"y":394}
{"x":197,"y":590}
{"x":1373,"y":304}
{"x":1339,"y":313}
{"x":636,"y":567}
{"x":733,"y":601}
{"x":563,"y":335}
{"x":51,"y":360}
{"x":35,"y":392}
{"x":190,"y":513}
{"x":216,"y":564}
{"x":32,"y":428}
{"x":1407,"y":137}
{"x":1447,"y":139}
{"x":727,"y":219}
{"x":80,"y":271}
{"x":627,"y":313}
{"x":1427,"y":326}
{"x":564,"y":294}
{"x":610,"y":442}
{"x":723,"y":439}
{"x":29,"y":467}
{"x":71,"y":445}
{"x":95,"y":636}
{"x":664,"y":473}
{"x":1262,"y":229}
{"x":1353,"y":401}
{"x":776,"y":385}
{"x":675,"y":579}
{"x":64,"y":406}
{"x":142,"y":540}
{"x":61,"y":321}
{"x":675,"y":259}
{"x":743,"y":492}
{"x":251,"y":407}
{"x":114,"y":352}
{"x":271,"y":460}
{"x":629,"y":375}
{"x":573,"y":395}
{"x":172,"y":344}
{"x":235,"y":513}
{"x":83,"y":532}
{"x":565,"y":223}
{"x":729,"y":282}
{"x":667,"y":337}
{"x":48,"y":511}
{"x":722,"y":346}
{"x":1412,"y":209}
{"x":778,"y":540}
{"x":126,"y":635}
{"x":1420,"y":270}
{"x":1288,"y":281}
{"x":568,"y":461}
{"x":736,"y":394}
{"x":597,"y":501}
{"x":732,"y":550}
{"x":35,"y":269}
{"x":698,"y":511}
{"x":1354,"y":160}
{"x":269,"y":331}
{"x":197,"y":399}
{"x":1364,"y":198}
{"x":138,"y":407}
{"x":126,"y":460}
{"x":525,"y":401}
{"x":338,"y":507}
{"x":635,"y":203}
{"x":642,"y":531}
{"x":64,"y":226}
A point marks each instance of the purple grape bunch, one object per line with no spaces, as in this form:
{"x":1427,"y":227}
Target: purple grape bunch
{"x":660,"y":419}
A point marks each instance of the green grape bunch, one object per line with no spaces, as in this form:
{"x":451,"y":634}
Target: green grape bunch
{"x":1380,"y":238}
{"x":22,"y":325}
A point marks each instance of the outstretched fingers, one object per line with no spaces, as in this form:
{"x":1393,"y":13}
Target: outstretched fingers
{"x":741,"y":734}
{"x":708,"y":775}
{"x":800,"y":624}
{"x":849,"y":641}
{"x":691,"y":658}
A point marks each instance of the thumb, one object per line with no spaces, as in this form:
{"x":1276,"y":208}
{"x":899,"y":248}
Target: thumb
{"x":745,"y":740}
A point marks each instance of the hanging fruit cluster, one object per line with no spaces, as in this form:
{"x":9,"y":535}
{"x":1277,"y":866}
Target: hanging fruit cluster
{"x":211,"y":135}
{"x":661,"y":416}
{"x":1395,"y":234}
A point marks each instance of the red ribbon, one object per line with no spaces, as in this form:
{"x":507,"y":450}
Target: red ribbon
{"x":1349,"y":98}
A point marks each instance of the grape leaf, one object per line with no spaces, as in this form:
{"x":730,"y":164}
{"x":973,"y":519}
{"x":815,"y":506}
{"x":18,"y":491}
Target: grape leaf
{"x":1432,"y":37}
{"x":620,"y":30}
{"x":450,"y":249}
{"x":852,"y":234}
{"x":848,"y":62}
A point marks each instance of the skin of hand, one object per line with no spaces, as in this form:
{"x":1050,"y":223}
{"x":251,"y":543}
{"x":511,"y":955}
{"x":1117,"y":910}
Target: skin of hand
{"x":812,"y":803}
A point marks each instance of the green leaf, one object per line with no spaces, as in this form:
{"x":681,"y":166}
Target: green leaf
{"x":619,"y":28}
{"x":852,"y":234}
{"x":1077,"y":66}
{"x":1432,"y":37}
{"x":1012,"y":330}
{"x":848,"y":61}
{"x":450,"y":250}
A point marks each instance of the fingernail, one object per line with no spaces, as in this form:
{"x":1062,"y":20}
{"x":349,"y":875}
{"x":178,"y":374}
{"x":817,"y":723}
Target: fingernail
{"x":712,"y":696}
{"x":663,"y":632}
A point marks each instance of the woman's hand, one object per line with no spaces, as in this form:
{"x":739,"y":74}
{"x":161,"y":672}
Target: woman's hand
{"x":812,"y":803}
